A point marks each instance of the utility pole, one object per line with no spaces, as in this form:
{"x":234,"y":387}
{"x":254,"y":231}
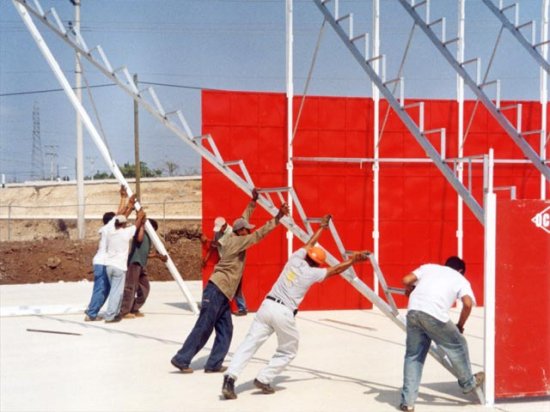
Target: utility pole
{"x":81,"y":223}
{"x":91,"y":159}
{"x":51,"y":152}
{"x":136,"y":144}
{"x":37,"y":171}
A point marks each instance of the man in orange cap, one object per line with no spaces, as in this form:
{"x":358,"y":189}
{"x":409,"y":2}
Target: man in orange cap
{"x":277,"y":311}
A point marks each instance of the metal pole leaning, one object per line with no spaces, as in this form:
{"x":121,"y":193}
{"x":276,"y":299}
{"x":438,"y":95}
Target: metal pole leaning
{"x":99,"y":143}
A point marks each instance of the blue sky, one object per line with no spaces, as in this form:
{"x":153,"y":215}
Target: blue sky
{"x":220,"y":44}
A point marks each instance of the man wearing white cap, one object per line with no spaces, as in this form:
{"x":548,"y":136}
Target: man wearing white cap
{"x":118,"y":247}
{"x":222,"y":231}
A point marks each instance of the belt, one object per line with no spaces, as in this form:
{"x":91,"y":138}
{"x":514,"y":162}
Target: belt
{"x":295,"y":311}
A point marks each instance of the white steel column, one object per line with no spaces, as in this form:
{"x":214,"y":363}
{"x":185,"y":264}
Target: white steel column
{"x":460,"y":137}
{"x":489,"y":282}
{"x":81,"y":223}
{"x":376,"y":137}
{"x":289,"y":111}
{"x":52,"y":62}
{"x":544,"y":92}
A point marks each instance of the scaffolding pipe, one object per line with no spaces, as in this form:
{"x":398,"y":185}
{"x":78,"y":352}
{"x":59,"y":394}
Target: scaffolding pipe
{"x":376,"y":138}
{"x":289,"y":114}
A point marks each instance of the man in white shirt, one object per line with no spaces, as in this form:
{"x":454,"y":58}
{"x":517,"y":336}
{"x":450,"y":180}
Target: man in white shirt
{"x":432,"y":291}
{"x":276,"y":314}
{"x":101,"y":281}
{"x":118,"y":247}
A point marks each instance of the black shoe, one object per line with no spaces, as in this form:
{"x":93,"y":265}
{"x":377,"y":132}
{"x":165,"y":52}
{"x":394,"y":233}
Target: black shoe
{"x":404,"y":407}
{"x":182,"y":368}
{"x":221,"y":369}
{"x":265,"y":387}
{"x":243,"y":312}
{"x":114,"y":320}
{"x":228,"y":388}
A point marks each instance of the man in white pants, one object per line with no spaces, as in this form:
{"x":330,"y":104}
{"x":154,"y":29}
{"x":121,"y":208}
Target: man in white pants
{"x":277,"y":311}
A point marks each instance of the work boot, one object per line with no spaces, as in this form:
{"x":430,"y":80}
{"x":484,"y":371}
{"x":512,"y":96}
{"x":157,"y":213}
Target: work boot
{"x":228,"y":388}
{"x":221,"y":369}
{"x":182,"y":368}
{"x":265,"y":387}
{"x":479,"y":379}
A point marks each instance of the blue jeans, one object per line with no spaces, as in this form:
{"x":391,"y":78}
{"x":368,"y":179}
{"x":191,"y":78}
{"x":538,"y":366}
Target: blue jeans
{"x":116,"y":277}
{"x":421,"y":330}
{"x":100,"y":291}
{"x":239,"y":298}
{"x":215,"y":314}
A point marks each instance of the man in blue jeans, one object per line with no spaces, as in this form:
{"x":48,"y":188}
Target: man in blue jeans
{"x":102,"y":286}
{"x":432,"y":290}
{"x":215,"y":311}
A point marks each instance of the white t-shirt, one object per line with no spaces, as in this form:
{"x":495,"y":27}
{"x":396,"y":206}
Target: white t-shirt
{"x":118,"y":246}
{"x":101,"y":254}
{"x":296,"y":279}
{"x":437,"y":289}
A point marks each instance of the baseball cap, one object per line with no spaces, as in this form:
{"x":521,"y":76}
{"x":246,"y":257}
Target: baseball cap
{"x":120,"y":219}
{"x":241,"y":223}
{"x":218,"y":223}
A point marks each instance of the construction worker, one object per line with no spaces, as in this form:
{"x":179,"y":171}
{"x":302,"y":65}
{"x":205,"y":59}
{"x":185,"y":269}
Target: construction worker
{"x":222,"y":230}
{"x":136,"y":285}
{"x":215,"y":311}
{"x":277,"y":311}
{"x":432,"y":290}
{"x":102,"y":285}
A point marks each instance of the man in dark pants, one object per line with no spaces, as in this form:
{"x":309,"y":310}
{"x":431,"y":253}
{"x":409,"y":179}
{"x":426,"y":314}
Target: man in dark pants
{"x":215,"y":310}
{"x":136,"y":287}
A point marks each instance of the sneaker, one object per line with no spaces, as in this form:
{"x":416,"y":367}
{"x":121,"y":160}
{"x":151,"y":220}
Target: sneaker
{"x":228,"y":388}
{"x":479,"y":379}
{"x":138,"y":314}
{"x":88,"y":318}
{"x":265,"y":387}
{"x":404,"y":407}
{"x":182,"y":368}
{"x":221,"y":369}
{"x":114,"y":320}
{"x":243,"y":312}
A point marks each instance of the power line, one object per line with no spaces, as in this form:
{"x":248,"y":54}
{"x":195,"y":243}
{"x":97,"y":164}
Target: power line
{"x":49,"y":90}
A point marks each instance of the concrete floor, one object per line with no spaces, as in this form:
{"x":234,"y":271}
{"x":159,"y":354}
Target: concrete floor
{"x":347,"y":361}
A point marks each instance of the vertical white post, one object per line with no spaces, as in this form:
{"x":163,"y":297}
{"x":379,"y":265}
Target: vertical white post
{"x":544,"y":93}
{"x":54,"y":65}
{"x":289,"y":113}
{"x":460,"y":99}
{"x":489,"y":282}
{"x":376,"y":137}
{"x":81,"y":223}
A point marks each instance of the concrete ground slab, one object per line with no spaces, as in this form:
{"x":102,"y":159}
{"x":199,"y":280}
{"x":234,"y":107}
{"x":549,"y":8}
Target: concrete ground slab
{"x":347,"y":361}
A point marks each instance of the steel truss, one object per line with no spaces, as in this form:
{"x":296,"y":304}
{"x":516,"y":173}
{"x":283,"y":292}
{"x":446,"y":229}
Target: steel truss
{"x":205,"y":146}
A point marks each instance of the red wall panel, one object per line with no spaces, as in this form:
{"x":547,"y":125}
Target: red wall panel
{"x":418,"y":207}
{"x":522,"y":337}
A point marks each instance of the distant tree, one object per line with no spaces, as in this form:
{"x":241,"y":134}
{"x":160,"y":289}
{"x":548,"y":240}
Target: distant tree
{"x":129,"y":170}
{"x":102,"y":175}
{"x":171,"y":167}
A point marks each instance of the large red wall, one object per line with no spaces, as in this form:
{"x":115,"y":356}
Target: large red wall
{"x":418,"y":208}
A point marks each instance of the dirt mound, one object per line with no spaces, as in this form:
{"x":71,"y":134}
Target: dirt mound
{"x":63,"y":259}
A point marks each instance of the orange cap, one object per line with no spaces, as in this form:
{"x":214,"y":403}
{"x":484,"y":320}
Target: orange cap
{"x":317,"y":254}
